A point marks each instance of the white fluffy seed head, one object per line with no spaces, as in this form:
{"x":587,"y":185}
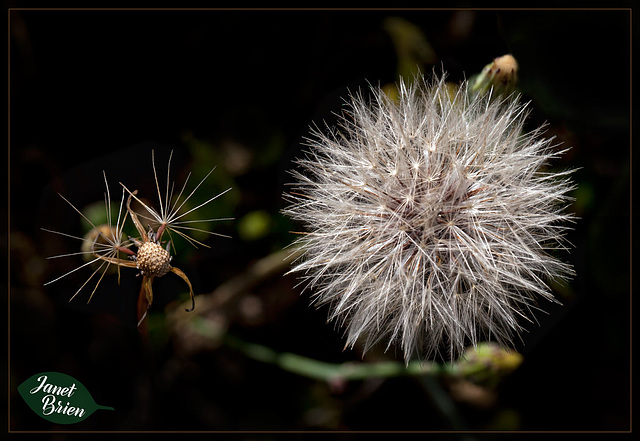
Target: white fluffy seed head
{"x":431,"y":219}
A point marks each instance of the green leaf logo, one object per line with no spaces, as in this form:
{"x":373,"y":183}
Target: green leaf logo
{"x":58,"y":398}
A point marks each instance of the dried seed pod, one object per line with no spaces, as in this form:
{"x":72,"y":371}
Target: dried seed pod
{"x":153,"y":260}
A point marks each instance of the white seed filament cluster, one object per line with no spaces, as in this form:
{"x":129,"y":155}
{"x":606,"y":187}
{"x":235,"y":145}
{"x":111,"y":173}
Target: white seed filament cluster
{"x":430,"y":219}
{"x":153,"y":260}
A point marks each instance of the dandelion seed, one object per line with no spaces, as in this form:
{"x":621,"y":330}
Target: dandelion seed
{"x":168,"y":218}
{"x":431,"y":220}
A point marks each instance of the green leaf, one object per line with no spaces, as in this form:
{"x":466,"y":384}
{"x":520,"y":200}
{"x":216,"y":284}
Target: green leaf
{"x":58,"y":398}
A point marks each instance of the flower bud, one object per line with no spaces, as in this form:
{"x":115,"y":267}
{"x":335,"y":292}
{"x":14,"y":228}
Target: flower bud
{"x":501,"y":75}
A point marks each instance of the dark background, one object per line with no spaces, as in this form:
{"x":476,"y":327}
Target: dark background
{"x":98,"y":90}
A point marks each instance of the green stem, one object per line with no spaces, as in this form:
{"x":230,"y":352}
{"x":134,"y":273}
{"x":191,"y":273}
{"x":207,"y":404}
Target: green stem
{"x":320,"y":370}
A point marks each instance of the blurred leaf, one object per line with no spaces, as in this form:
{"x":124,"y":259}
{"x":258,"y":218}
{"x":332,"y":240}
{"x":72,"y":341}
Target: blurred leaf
{"x":271,"y":152}
{"x":254,"y":225}
{"x":412,"y":47}
{"x":584,"y":197}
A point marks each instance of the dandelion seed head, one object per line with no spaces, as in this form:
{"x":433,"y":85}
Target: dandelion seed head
{"x":431,"y":220}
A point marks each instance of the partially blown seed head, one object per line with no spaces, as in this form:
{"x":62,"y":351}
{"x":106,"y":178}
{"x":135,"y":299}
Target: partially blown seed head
{"x":104,"y":244}
{"x":430,"y":219}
